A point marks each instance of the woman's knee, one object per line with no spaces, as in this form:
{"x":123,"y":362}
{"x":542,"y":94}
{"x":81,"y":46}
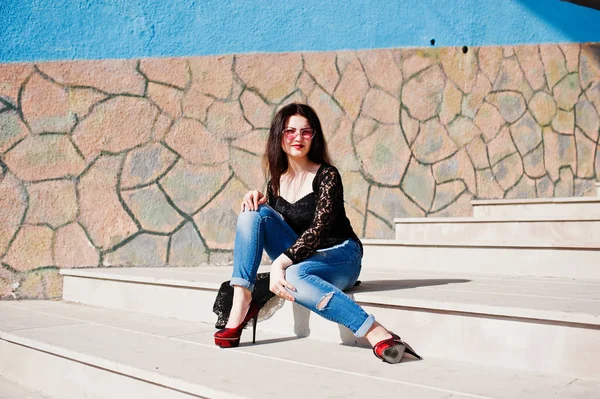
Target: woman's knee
{"x":307,"y":293}
{"x":292,"y":274}
{"x":295,"y":276}
{"x":265,"y":210}
{"x":262,"y":211}
{"x":248,"y":221}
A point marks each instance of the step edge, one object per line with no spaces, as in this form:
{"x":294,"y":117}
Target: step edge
{"x":123,"y":369}
{"x":32,"y":344}
{"x":579,"y":246}
{"x":430,"y":305}
{"x":582,"y":320}
{"x":107,"y":275}
{"x":483,"y":219}
{"x":545,"y":201}
{"x":24,"y":391}
{"x":420,"y":304}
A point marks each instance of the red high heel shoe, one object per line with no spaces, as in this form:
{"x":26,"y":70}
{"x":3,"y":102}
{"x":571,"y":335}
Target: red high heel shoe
{"x":392,"y":349}
{"x":230,"y":337}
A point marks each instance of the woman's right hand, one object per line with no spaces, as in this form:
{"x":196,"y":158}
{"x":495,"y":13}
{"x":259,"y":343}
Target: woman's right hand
{"x":252,"y":200}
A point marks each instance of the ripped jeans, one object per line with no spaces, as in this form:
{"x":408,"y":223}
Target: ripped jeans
{"x":319,"y":279}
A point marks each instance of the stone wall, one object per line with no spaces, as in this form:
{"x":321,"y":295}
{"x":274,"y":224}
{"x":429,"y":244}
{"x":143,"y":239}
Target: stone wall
{"x":144,"y":162}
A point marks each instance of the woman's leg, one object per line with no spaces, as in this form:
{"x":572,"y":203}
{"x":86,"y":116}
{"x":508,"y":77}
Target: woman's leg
{"x":320,"y":279}
{"x":319,"y":282}
{"x":255,"y":231}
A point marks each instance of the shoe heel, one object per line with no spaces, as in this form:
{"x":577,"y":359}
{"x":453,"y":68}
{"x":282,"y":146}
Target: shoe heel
{"x":254,"y":323}
{"x":411,"y":352}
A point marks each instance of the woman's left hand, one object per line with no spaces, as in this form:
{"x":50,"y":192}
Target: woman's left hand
{"x":278,"y":283}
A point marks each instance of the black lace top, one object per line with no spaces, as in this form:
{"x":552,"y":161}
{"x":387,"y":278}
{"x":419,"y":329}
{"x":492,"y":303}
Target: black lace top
{"x":318,"y":218}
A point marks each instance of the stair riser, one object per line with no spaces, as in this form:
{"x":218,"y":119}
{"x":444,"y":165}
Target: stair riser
{"x":157,"y":300}
{"x":519,"y":233}
{"x":505,"y":342}
{"x":67,"y":379}
{"x":487,"y":261}
{"x":496,"y":341}
{"x":582,"y":210}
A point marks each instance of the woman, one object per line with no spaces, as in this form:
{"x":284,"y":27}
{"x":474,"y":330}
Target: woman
{"x":302,"y":224}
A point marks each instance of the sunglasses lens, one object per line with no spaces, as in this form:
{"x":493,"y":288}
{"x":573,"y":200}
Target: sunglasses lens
{"x":306,"y":134}
{"x":289,"y":133}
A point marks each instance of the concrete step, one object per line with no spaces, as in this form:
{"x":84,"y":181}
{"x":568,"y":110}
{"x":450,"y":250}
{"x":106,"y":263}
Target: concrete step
{"x":524,"y":231}
{"x":12,"y":390}
{"x":75,"y":351}
{"x":577,"y":207}
{"x":553,"y":259}
{"x":598,"y":189}
{"x":503,"y":321}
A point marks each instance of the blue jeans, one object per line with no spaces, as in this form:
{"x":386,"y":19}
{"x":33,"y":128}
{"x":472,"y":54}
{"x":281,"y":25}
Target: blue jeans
{"x":319,"y":279}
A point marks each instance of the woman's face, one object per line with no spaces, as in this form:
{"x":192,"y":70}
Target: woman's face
{"x":297,"y":137}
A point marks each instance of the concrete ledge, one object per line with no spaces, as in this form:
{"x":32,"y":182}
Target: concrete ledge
{"x":138,"y":382}
{"x":170,"y":277}
{"x":500,"y":220}
{"x":471,"y":294}
{"x":582,"y":207}
{"x":506,"y":316}
{"x":548,"y":260}
{"x":12,"y":390}
{"x":515,"y":233}
{"x":558,"y":245}
{"x":96,"y":356}
{"x":556,"y":200}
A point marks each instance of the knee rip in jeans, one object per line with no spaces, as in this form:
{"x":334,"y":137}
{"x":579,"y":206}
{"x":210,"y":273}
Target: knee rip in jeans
{"x":324,"y":301}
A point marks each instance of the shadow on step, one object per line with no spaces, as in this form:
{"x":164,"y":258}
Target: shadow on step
{"x":389,"y":285}
{"x":302,"y":315}
{"x":271,"y":341}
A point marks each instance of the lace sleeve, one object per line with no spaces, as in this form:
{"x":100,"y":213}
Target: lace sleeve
{"x":330,"y":203}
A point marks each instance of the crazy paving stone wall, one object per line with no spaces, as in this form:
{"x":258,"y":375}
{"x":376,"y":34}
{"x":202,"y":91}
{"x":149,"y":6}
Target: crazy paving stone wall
{"x":144,"y":162}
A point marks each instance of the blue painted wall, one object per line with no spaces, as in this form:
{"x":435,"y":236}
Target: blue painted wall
{"x":94,"y":29}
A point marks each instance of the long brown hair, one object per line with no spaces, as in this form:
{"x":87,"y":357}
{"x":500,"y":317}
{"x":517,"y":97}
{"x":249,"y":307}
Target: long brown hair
{"x":275,"y":161}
